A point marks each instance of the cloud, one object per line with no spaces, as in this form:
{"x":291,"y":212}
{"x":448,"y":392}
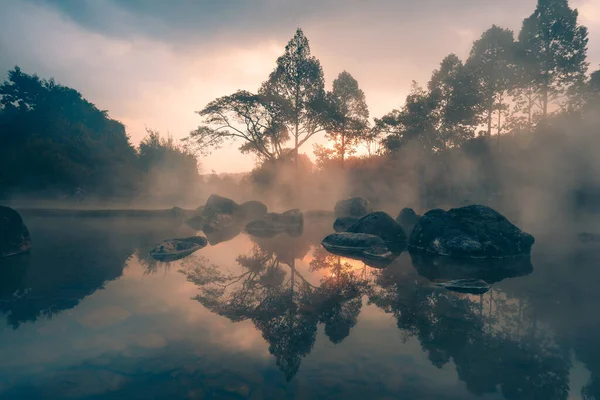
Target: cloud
{"x":153,"y":63}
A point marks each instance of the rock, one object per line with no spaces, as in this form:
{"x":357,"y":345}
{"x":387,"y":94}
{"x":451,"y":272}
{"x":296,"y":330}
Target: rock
{"x":407,"y":219}
{"x":176,"y":249}
{"x":356,"y":207}
{"x":470,"y":286}
{"x":436,"y":268}
{"x":272,"y":224}
{"x":252,"y":210}
{"x":357,"y":245}
{"x":382,"y":225}
{"x":196,"y":223}
{"x":472,"y":232}
{"x":219,"y":205}
{"x":14,"y":235}
{"x":342,"y":224}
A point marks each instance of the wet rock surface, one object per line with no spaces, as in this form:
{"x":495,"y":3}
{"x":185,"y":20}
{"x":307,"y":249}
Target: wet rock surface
{"x":469,"y":286}
{"x":14,"y":235}
{"x":354,"y":245}
{"x":382,"y":225}
{"x":473,"y":231}
{"x":176,"y":249}
{"x":356,"y":207}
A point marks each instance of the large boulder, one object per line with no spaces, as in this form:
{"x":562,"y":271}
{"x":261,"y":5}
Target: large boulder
{"x":272,"y":224}
{"x":14,"y":235}
{"x":473,"y":231}
{"x":220,"y":205}
{"x":356,"y":207}
{"x":407,"y":219}
{"x":382,"y":225}
{"x":252,"y":210}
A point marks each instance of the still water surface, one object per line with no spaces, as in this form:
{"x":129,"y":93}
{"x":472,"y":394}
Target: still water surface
{"x":89,"y":315}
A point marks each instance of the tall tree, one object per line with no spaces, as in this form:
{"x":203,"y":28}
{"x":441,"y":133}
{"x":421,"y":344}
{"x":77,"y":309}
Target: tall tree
{"x":298,"y":82}
{"x":255,"y":119}
{"x":453,"y":93}
{"x":553,"y":50}
{"x":492,"y":60}
{"x":348,"y":121}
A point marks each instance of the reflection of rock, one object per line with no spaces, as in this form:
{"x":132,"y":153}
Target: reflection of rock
{"x":382,"y":225}
{"x":14,"y":236}
{"x":252,"y":210}
{"x":224,"y":234}
{"x":357,"y":245}
{"x":470,"y":286}
{"x":342,"y":224}
{"x":407,"y":219}
{"x":587,"y":237}
{"x":353,"y":207}
{"x":176,"y":249}
{"x":473,"y":231}
{"x":273,"y":224}
{"x":436,"y":268}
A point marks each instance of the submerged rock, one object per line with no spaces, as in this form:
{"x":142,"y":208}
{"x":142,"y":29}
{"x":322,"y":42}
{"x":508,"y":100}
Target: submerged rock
{"x":176,"y":249}
{"x":272,"y":224}
{"x":473,"y":232}
{"x":357,"y":245}
{"x":342,"y":224}
{"x":356,"y":207}
{"x":14,"y":235}
{"x":407,"y":219}
{"x":382,"y":225}
{"x":470,"y":286}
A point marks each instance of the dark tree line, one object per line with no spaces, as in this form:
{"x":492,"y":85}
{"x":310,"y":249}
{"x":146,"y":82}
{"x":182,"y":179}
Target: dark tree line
{"x":505,"y":85}
{"x":56,"y":143}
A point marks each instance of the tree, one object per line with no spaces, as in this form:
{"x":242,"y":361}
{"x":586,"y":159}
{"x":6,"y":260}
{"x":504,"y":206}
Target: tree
{"x":553,"y":50}
{"x":453,"y":93}
{"x":348,"y":117}
{"x":256,"y":119}
{"x":56,"y":142}
{"x":492,"y":60}
{"x":298,"y":84}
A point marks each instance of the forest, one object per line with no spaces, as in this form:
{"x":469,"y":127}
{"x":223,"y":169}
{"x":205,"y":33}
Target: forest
{"x":517,"y":119}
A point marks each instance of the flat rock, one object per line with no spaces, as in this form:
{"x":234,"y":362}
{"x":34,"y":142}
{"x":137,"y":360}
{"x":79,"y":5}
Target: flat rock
{"x":355,"y":245}
{"x":176,"y":249}
{"x":469,"y":286}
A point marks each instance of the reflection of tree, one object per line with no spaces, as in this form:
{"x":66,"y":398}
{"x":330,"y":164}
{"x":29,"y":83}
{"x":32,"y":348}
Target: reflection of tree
{"x":470,"y":332}
{"x":266,"y":288}
{"x":70,"y":260}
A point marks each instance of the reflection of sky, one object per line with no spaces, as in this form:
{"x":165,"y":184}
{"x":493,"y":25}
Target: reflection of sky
{"x":141,"y":325}
{"x":139,"y":316}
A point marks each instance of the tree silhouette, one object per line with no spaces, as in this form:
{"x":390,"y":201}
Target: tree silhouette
{"x":347,"y":122}
{"x":492,"y":59}
{"x":255,"y":119}
{"x":553,"y":50}
{"x":298,"y":83}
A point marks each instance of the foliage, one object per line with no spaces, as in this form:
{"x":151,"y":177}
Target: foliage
{"x":298,"y":83}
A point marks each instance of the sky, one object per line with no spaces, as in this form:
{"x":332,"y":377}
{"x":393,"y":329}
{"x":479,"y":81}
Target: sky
{"x":153,"y":63}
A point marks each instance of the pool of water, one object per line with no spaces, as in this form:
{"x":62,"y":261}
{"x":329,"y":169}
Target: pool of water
{"x":89,"y":315}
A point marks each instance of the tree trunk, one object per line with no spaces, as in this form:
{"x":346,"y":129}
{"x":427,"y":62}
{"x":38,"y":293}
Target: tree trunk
{"x":343,"y":149}
{"x":489,"y":127}
{"x":296,"y":146}
{"x":545,"y":101}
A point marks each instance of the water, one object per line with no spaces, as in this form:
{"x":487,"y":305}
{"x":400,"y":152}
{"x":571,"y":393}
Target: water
{"x":89,"y":315}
